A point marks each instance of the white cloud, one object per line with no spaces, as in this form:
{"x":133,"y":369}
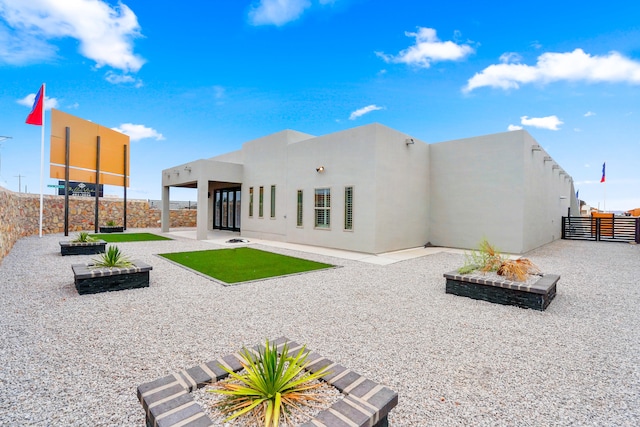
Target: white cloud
{"x":587,"y":165}
{"x":105,"y":33}
{"x":116,"y":78}
{"x":552,"y":67}
{"x":277,"y":12}
{"x":510,"y":57}
{"x":549,"y":122}
{"x":427,"y":49}
{"x":49,"y":103}
{"x":514,"y":127}
{"x":138,"y":132}
{"x":589,"y":114}
{"x":364,"y":110}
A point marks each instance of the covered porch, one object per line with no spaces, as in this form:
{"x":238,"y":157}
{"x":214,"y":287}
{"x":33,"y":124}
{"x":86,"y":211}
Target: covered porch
{"x":219,"y":189}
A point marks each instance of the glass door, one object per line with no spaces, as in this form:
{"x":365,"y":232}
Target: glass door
{"x":226,"y":212}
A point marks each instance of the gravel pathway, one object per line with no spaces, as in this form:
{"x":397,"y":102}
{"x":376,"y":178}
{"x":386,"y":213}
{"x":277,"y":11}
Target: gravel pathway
{"x":71,"y":360}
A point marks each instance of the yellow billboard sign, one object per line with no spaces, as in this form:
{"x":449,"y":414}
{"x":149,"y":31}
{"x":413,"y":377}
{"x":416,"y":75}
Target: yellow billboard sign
{"x":83,"y":136}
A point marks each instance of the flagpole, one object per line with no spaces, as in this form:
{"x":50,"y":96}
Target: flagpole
{"x":604,"y":204}
{"x":42,"y":160}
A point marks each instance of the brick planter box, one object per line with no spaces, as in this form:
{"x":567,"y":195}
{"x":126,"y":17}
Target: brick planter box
{"x":82,"y":248}
{"x":111,"y":229}
{"x":168,"y":403}
{"x":537,"y":296}
{"x":89,"y":280}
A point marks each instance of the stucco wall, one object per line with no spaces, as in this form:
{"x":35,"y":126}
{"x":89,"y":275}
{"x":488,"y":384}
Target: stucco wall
{"x":265,"y":164}
{"x":20,"y":215}
{"x":402,"y":191}
{"x":389,"y":179}
{"x":548,"y":195}
{"x":348,"y":158}
{"x":477,"y":191}
{"x":497,"y":187}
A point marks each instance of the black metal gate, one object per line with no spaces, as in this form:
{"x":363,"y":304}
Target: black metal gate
{"x":614,"y":229}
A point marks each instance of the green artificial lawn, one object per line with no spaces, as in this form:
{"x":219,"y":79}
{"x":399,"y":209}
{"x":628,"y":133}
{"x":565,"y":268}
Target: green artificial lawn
{"x":128,"y":237}
{"x":242,"y":264}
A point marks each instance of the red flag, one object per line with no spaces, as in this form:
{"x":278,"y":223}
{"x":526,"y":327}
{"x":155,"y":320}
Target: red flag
{"x":603,"y":177}
{"x":35,"y":116}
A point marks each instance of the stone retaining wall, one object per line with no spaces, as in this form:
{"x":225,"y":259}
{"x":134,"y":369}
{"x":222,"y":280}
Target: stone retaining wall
{"x":20,"y":215}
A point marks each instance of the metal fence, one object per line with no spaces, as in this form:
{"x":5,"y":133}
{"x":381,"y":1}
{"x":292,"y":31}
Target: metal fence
{"x":613,"y":229}
{"x":157,"y":204}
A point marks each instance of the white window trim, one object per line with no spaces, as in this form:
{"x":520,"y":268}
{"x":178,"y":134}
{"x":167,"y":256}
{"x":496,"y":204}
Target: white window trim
{"x":349,"y":230}
{"x":300,"y":208}
{"x":315,"y":209}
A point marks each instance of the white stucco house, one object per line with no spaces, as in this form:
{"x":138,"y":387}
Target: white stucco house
{"x":373,"y":189}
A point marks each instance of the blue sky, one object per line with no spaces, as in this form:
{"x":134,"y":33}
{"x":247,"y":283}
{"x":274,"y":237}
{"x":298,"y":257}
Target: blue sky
{"x":193,"y":79}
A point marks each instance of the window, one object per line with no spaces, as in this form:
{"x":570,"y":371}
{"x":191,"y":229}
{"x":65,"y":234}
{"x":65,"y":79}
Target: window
{"x":273,"y":201}
{"x":299,"y":212}
{"x":323,"y":208}
{"x":348,"y":208}
{"x":261,"y":202}
{"x":250,"y":201}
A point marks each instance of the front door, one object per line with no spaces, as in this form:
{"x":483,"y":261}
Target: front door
{"x":226,"y":212}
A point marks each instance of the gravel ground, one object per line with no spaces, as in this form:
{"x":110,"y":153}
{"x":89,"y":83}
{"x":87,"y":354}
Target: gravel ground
{"x":71,"y":360}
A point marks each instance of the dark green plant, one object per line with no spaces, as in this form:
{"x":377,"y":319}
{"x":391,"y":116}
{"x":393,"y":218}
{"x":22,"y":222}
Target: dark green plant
{"x":272,"y":385}
{"x":486,"y":258}
{"x":112,"y":258}
{"x":110,"y":223}
{"x":83,"y":237}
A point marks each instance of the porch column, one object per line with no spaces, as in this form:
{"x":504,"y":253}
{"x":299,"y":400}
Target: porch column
{"x":165,"y":219}
{"x":202,"y":216}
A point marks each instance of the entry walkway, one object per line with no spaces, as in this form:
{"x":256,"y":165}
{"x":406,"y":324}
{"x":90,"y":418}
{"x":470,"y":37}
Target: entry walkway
{"x":221,"y":237}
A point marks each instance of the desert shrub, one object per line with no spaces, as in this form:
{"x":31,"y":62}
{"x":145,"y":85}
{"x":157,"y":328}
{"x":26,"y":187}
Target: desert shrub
{"x":112,"y":258}
{"x":486,"y":258}
{"x":272,"y":385}
{"x":83,"y":237}
{"x":518,"y":270}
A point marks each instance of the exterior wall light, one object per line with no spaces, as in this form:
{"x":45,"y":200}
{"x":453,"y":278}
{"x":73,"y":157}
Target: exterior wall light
{"x":187,"y":168}
{"x":320,"y":169}
{"x":409,"y":141}
{"x":536,"y":148}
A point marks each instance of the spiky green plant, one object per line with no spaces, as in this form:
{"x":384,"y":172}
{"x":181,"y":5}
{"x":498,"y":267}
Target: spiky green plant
{"x":272,"y":385}
{"x":83,"y":237}
{"x":486,"y":258}
{"x":110,"y":223}
{"x":112,"y":258}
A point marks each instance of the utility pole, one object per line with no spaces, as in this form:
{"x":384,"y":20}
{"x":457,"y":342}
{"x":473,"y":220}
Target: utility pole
{"x":20,"y":182}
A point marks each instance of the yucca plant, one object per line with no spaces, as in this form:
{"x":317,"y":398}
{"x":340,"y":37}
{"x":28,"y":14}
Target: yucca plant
{"x":272,"y":385}
{"x":112,"y":258}
{"x":110,"y":223}
{"x":83,"y":237}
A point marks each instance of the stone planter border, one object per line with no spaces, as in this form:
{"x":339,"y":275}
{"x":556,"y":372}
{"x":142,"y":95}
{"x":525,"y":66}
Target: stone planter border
{"x":168,"y":403}
{"x":82,"y":248}
{"x":90,"y":280}
{"x":111,"y":229}
{"x":536,"y":296}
